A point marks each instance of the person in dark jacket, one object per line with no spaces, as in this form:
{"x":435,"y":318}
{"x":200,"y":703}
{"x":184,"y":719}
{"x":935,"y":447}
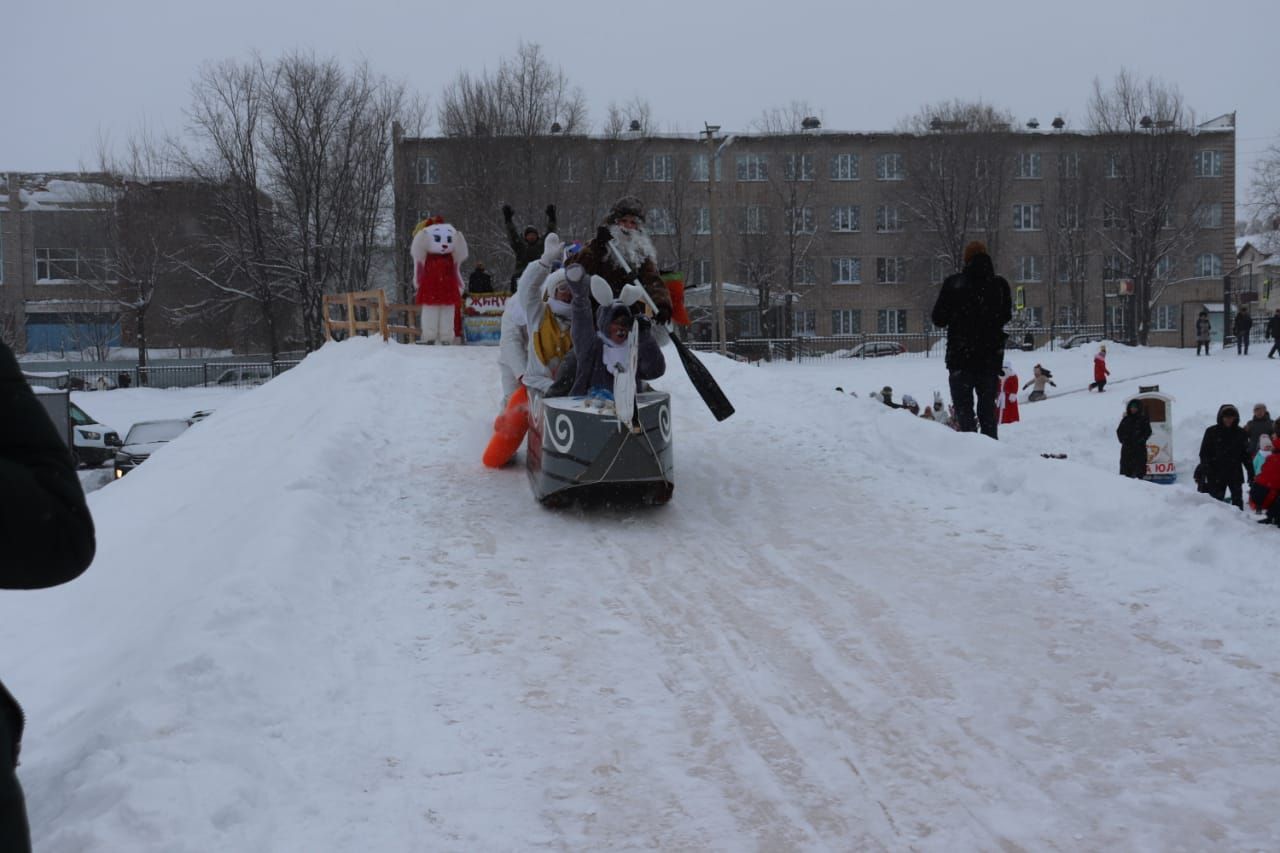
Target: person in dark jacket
{"x":527,"y":246}
{"x":1203,"y":330}
{"x":1259,"y":425}
{"x":1224,"y":453}
{"x":1133,"y":432}
{"x":1273,"y":332}
{"x":623,"y":234}
{"x":1241,"y":328}
{"x":46,"y":538}
{"x":973,"y":306}
{"x":479,"y":281}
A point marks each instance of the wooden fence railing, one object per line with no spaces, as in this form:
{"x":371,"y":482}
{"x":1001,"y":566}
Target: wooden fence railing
{"x":366,"y":311}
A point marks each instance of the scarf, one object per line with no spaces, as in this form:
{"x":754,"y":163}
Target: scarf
{"x":551,"y":340}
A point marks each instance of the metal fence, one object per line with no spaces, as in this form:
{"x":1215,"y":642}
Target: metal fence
{"x":918,"y":345}
{"x":106,"y":375}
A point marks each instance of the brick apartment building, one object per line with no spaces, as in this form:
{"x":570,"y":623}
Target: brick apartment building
{"x":840,"y":222}
{"x":60,"y":288}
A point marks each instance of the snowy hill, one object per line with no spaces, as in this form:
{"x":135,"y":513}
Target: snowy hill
{"x":317,"y":623}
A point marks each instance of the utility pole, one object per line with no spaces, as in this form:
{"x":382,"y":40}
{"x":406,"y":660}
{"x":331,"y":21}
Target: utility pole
{"x":717,"y":267}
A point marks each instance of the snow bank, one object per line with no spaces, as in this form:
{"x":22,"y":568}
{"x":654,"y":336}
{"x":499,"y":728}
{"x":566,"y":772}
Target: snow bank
{"x":316,"y":622}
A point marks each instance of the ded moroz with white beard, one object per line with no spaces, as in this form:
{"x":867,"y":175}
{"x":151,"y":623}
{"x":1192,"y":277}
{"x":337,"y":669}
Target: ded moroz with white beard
{"x":624,"y":228}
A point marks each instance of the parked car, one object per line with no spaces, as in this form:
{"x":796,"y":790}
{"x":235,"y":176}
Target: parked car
{"x":94,"y":443}
{"x":144,"y":439}
{"x":875,"y":349}
{"x":251,"y":375}
{"x":1084,"y":340}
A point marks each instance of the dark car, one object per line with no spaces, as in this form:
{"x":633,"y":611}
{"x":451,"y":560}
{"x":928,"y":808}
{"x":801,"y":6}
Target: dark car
{"x":144,"y":439}
{"x":876,"y":349}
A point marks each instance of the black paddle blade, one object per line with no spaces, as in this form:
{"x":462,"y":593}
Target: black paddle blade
{"x":706,"y":385}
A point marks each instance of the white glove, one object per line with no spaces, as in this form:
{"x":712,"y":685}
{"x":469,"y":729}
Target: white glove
{"x":552,"y":249}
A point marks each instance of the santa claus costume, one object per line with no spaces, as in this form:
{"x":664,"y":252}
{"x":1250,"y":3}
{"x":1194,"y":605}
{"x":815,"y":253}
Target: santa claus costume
{"x":438,"y":250}
{"x":1008,"y":404}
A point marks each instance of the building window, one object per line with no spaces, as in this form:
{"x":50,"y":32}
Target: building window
{"x":1115,"y":166}
{"x":846,"y":270}
{"x":1164,"y":268}
{"x":846,"y":218}
{"x":703,"y":272}
{"x":888,"y":219}
{"x":751,"y":219}
{"x":891,"y":270}
{"x":890,"y":167}
{"x":1068,"y":165}
{"x":1208,"y":265}
{"x":1027,"y":165}
{"x":1113,"y":267}
{"x":613,"y":169}
{"x":1164,"y":318}
{"x":804,"y":324}
{"x":1030,"y":268}
{"x":1069,"y":217}
{"x":702,"y":220}
{"x":659,"y":167}
{"x":569,"y":167}
{"x":1026,"y":217}
{"x":1072,"y":269}
{"x":1,"y":258}
{"x":846,"y":322}
{"x":805,"y":272}
{"x":939,"y":268}
{"x":844,"y":167}
{"x":891,"y":321}
{"x":749,"y":323}
{"x":1209,"y":215}
{"x":1034,"y":317}
{"x":1110,"y":216}
{"x":57,"y":266}
{"x":799,"y":167}
{"x":1208,"y":164}
{"x":699,"y":170}
{"x":658,"y":221}
{"x":800,"y":220}
{"x":426,"y":171}
{"x":1115,"y":316}
{"x":1067,"y":316}
{"x":753,"y":167}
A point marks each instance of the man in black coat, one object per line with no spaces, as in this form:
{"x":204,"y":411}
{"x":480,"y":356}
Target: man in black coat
{"x":1133,"y":432}
{"x":1273,"y":332}
{"x":46,"y":538}
{"x":480,"y":281}
{"x":527,"y":247}
{"x":1241,"y":329}
{"x":1224,"y":453}
{"x":973,"y":306}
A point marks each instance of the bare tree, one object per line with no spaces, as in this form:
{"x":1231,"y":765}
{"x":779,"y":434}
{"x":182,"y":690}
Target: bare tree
{"x":1264,"y":191}
{"x":957,"y":178}
{"x":1147,"y":177}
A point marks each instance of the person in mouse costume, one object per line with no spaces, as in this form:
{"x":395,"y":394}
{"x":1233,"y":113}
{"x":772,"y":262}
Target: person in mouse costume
{"x":438,"y":250}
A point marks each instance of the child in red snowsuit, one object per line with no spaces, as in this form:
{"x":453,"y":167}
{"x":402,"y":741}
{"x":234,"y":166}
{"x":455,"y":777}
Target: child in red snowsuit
{"x":1100,"y":372}
{"x":1265,"y":490}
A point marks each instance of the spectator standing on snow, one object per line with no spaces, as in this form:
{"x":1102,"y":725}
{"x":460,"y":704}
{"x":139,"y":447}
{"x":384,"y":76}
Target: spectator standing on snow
{"x":1100,"y":372}
{"x":1264,"y":494}
{"x":973,"y":306}
{"x":1224,"y":453}
{"x":479,"y":281}
{"x":1259,"y":425}
{"x":1203,"y":328}
{"x":526,"y":246}
{"x":1133,"y":432}
{"x":1039,"y":378}
{"x":1241,"y":328}
{"x":46,"y":538}
{"x":1273,"y":331}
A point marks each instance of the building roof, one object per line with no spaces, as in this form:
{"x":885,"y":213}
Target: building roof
{"x":735,"y":296}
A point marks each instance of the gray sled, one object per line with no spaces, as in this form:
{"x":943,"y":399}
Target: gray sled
{"x":578,"y":452}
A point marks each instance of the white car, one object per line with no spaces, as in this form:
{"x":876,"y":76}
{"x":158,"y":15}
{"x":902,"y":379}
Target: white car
{"x":145,"y":438}
{"x":94,"y":443}
{"x":242,"y":376}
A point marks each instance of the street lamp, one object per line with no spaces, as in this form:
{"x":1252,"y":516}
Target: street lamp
{"x":717,"y":295}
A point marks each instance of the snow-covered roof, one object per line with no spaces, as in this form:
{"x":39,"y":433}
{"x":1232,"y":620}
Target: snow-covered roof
{"x":735,"y":296}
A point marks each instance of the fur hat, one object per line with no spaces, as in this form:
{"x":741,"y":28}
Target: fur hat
{"x":976,"y":247}
{"x":628,"y":205}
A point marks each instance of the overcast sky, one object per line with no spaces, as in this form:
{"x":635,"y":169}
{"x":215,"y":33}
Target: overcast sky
{"x":79,"y":68}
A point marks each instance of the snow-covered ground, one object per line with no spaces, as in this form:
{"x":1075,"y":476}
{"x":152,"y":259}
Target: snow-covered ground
{"x":317,"y":623}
